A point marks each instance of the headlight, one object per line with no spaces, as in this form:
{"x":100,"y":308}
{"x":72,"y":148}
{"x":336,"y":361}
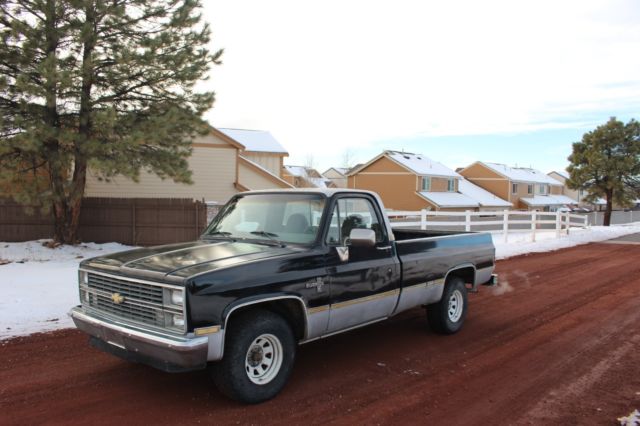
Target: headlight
{"x":83,"y":277}
{"x":177,"y":321}
{"x":176,"y":297}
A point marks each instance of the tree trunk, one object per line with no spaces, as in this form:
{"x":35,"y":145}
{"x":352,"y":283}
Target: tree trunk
{"x":609,"y":209}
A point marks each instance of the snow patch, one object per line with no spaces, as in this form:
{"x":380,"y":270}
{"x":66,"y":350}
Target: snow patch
{"x":520,"y":242}
{"x":632,"y":419}
{"x":40,"y":284}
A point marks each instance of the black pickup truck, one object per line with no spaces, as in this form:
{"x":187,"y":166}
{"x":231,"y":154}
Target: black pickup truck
{"x":275,"y":269}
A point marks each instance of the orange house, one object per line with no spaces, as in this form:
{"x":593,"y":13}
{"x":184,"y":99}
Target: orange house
{"x":407,"y":181}
{"x":525,"y":188}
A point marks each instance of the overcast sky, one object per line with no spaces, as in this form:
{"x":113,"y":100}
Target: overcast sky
{"x":504,"y":81}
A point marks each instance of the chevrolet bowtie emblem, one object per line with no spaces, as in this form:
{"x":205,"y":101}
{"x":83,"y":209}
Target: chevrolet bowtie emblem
{"x":117,"y":298}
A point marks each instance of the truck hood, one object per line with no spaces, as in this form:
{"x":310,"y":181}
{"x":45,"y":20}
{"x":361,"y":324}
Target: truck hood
{"x":177,"y":262}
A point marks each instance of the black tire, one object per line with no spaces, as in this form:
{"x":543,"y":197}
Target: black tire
{"x":443,"y":320}
{"x":232,"y":376}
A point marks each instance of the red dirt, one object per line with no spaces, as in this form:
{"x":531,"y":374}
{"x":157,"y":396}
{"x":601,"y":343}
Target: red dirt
{"x":559,"y":346}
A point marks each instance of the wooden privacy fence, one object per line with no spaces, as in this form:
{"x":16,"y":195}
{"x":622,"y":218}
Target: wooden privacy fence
{"x":502,"y":222}
{"x":132,"y":221}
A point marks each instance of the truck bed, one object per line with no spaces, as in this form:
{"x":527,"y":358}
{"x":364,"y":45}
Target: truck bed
{"x":432,"y":254}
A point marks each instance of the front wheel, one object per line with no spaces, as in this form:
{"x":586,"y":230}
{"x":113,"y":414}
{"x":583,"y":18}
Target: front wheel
{"x":447,"y":316}
{"x":259,"y":355}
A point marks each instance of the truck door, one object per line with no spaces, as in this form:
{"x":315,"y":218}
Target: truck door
{"x":365,"y":286}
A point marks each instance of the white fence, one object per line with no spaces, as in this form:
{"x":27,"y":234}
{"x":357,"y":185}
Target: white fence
{"x":503,"y":222}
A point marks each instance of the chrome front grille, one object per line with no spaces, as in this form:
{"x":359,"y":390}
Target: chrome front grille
{"x":128,"y":289}
{"x":132,"y":300}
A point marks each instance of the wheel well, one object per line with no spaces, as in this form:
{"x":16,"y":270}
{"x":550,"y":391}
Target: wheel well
{"x":290,"y":309}
{"x":467,"y":274}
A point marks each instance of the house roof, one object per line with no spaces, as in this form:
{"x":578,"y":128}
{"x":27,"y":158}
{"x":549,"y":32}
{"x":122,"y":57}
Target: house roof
{"x":255,"y":140}
{"x":547,"y":200}
{"x":342,"y":170}
{"x":421,"y":165}
{"x":449,"y":199}
{"x":310,"y":174}
{"x":417,"y":163}
{"x":482,"y":196}
{"x":521,"y":174}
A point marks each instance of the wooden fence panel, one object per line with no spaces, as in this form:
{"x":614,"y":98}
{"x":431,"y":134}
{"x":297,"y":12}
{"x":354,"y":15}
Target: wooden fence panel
{"x":132,"y":221}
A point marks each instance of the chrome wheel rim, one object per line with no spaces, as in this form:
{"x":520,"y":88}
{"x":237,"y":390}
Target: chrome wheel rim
{"x":264,"y":359}
{"x":456,"y":304}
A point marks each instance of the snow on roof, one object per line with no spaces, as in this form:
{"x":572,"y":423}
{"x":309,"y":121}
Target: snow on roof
{"x":522,"y":174}
{"x":547,"y":200}
{"x":449,"y":199}
{"x":421,"y":165}
{"x":255,"y":140}
{"x":482,"y":196}
{"x":296,"y":170}
{"x":342,"y":170}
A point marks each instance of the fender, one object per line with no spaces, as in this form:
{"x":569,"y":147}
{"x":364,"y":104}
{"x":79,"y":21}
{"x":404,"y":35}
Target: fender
{"x":262,"y":299}
{"x":463,"y":266}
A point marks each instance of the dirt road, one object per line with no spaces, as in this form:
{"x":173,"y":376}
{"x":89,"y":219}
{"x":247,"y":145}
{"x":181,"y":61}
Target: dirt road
{"x":557,"y":343}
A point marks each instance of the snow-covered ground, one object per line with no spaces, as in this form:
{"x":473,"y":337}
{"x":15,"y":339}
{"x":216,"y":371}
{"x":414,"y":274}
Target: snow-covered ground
{"x":520,"y":242}
{"x":39,"y":284}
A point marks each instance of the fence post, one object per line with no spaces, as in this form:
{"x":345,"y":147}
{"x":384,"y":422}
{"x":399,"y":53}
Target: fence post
{"x":533,"y":226}
{"x":467,"y":220}
{"x":595,"y":218}
{"x":558,"y":224}
{"x":505,"y":225}
{"x":423,"y":219}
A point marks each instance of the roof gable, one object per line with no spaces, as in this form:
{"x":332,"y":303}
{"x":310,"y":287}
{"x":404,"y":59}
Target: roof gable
{"x":255,"y":140}
{"x":521,"y":174}
{"x":417,"y":164}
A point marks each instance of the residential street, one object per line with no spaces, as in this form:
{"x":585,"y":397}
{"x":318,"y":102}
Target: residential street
{"x":557,"y":343}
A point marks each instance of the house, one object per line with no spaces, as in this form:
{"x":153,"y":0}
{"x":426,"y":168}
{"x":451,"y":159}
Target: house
{"x":305,"y":177}
{"x":525,"y":188}
{"x":223,"y":163}
{"x":575,"y":194}
{"x":407,"y":181}
{"x":337,"y":175}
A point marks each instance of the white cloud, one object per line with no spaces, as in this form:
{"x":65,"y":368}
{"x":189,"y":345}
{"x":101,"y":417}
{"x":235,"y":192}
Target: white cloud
{"x":326,"y":75}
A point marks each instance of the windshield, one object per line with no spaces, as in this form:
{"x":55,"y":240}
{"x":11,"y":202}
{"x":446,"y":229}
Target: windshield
{"x":286,"y":218}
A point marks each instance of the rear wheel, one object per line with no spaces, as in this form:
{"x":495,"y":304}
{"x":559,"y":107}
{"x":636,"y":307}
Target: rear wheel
{"x":259,"y":354}
{"x":448,"y":315}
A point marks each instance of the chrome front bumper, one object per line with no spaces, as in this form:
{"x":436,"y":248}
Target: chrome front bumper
{"x":169,"y":353}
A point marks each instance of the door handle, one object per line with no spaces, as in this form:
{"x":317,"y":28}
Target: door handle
{"x":384,"y":248}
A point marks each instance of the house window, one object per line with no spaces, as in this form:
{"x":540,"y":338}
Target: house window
{"x":529,"y":189}
{"x":451,"y":185}
{"x":514,"y":188}
{"x":543,"y":189}
{"x":426,"y":183}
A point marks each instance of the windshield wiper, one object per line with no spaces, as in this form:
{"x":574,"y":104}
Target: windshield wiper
{"x":221,"y":233}
{"x":269,"y":235}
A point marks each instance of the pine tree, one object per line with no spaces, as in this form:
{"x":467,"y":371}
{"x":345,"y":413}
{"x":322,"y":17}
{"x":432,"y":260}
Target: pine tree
{"x":106,"y":85}
{"x":606,"y":164}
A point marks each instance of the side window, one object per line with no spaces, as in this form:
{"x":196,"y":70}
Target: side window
{"x":352,"y":213}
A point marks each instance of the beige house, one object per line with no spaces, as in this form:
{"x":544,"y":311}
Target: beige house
{"x":305,"y":177}
{"x":337,"y":175}
{"x":223,"y":163}
{"x":408,"y":181}
{"x":525,"y":188}
{"x":576,"y":194}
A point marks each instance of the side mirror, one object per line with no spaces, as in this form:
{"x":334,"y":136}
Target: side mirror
{"x":362,"y":237}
